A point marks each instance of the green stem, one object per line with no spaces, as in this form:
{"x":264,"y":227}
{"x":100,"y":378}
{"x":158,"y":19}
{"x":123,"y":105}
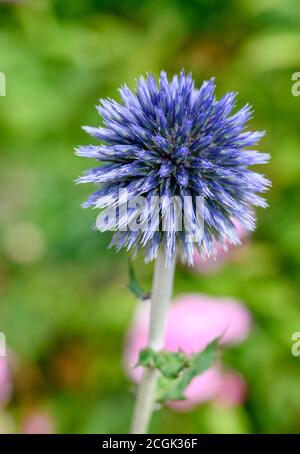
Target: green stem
{"x":161,"y":294}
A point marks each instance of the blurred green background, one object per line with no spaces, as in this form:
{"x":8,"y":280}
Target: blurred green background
{"x":64,"y":306}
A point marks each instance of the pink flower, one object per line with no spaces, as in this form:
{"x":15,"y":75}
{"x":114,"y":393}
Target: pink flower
{"x":5,"y":381}
{"x":232,"y":390}
{"x":212,"y":264}
{"x":193,"y":322}
{"x":37,"y":422}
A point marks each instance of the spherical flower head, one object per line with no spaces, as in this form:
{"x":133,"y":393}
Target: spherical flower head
{"x":171,"y":141}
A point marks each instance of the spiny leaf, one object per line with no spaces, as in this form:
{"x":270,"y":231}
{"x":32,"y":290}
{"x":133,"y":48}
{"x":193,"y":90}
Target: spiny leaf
{"x":173,"y":389}
{"x":177,"y":369}
{"x":201,"y":361}
{"x":169,"y":389}
{"x":170,"y":363}
{"x":134,"y":286}
{"x":146,"y":358}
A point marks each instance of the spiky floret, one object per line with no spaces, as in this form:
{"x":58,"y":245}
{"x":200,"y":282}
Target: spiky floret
{"x":171,"y":139}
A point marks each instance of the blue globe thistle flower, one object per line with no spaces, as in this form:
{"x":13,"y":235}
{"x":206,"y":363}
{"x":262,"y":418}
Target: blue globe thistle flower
{"x":173,"y":140}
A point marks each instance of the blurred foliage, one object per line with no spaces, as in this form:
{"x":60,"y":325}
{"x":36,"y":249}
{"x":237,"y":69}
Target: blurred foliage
{"x":64,"y":306}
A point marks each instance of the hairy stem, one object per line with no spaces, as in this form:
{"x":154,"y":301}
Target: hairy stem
{"x":160,"y":298}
